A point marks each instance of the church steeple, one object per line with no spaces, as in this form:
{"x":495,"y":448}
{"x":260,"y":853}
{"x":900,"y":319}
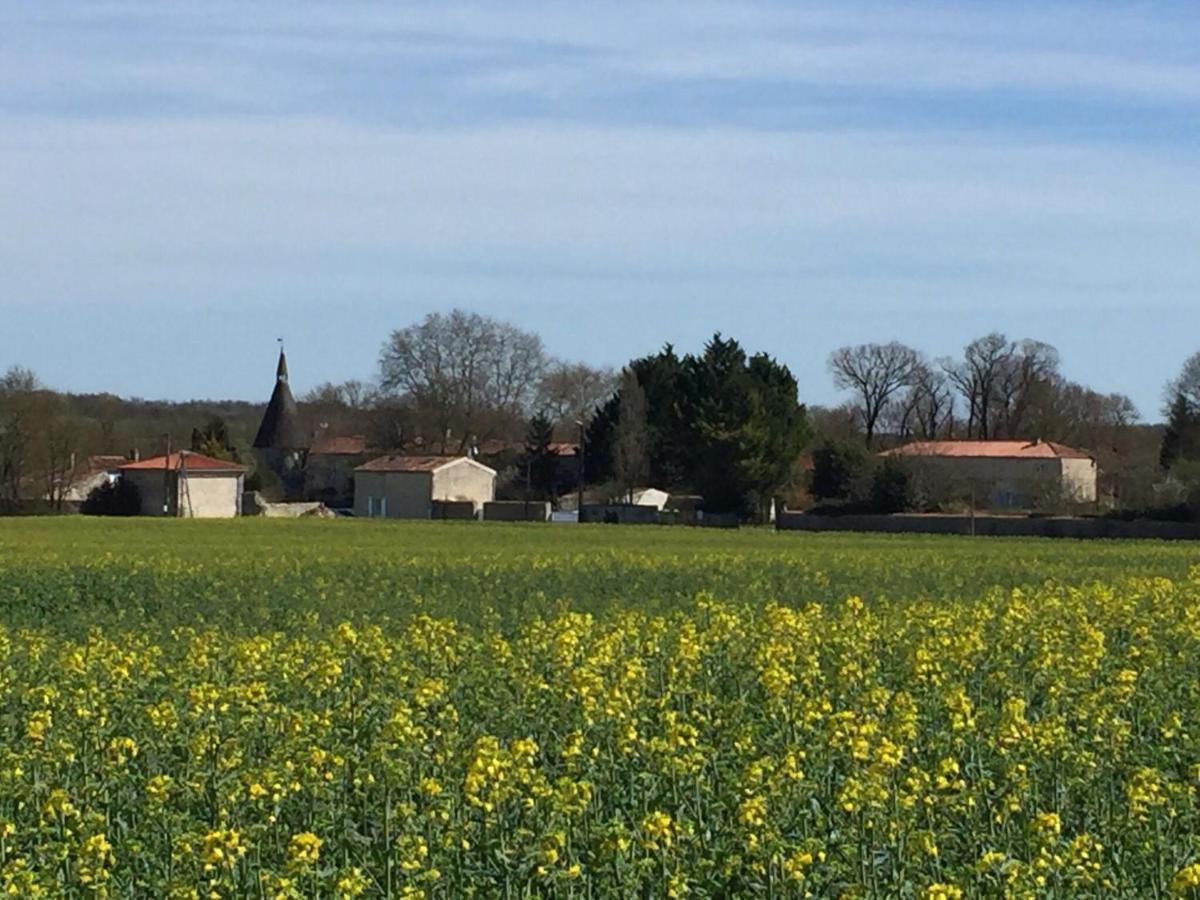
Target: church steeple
{"x":280,"y":428}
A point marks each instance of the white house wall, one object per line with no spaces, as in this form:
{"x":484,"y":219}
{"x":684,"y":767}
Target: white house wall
{"x":1079,"y":479}
{"x":408,"y":494}
{"x":465,"y":480}
{"x":210,"y":496}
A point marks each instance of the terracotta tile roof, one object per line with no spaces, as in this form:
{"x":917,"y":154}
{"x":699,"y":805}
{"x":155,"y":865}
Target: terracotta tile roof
{"x":396,"y":463}
{"x":340,"y":445}
{"x":990,"y":449}
{"x":493,"y":446}
{"x":194,"y":462}
{"x":97,"y":463}
{"x":496,"y":446}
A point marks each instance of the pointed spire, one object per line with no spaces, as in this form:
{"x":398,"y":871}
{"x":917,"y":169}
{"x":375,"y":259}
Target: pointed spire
{"x":280,"y":427}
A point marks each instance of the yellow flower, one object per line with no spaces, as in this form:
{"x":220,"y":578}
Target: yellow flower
{"x":221,"y":849}
{"x":39,"y":723}
{"x":413,"y":851}
{"x":304,"y":849}
{"x":158,"y":788}
{"x":939,"y":891}
{"x":1047,"y":825}
{"x":352,"y":883}
{"x":753,"y":812}
{"x":658,"y":829}
{"x":94,"y":860}
{"x":1186,"y":879}
{"x":796,"y":865}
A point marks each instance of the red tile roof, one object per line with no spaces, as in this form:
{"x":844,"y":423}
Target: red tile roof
{"x":495,"y":446}
{"x":193,"y":462}
{"x":340,"y":445}
{"x":97,"y":463}
{"x":989,"y":449}
{"x":395,"y":463}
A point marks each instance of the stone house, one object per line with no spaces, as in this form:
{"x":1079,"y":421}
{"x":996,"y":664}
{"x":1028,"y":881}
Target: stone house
{"x":187,"y":485}
{"x":84,"y":477}
{"x":329,"y":469}
{"x":1003,"y":474}
{"x":406,"y":487}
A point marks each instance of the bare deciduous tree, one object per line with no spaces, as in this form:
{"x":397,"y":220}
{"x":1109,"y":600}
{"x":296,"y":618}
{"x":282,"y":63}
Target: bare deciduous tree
{"x":351,"y":394}
{"x":1031,"y":368}
{"x":18,"y":390}
{"x":463,"y":374}
{"x":1000,"y":381}
{"x":975,"y":378}
{"x":571,"y":392}
{"x":926,"y":407}
{"x":56,"y":446}
{"x":875,"y":373}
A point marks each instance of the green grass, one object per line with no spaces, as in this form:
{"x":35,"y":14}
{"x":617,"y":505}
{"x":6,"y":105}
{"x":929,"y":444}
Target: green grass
{"x":77,"y":573}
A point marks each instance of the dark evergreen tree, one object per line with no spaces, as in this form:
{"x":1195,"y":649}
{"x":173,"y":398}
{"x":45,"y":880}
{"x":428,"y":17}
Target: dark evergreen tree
{"x":540,"y":465}
{"x":722,"y":424}
{"x":1181,"y":439}
{"x":838,"y":469}
{"x":213,"y":440}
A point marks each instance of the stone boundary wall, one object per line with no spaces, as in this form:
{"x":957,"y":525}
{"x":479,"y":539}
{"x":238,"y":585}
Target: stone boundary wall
{"x":253,"y":504}
{"x":516,"y":511}
{"x":992,"y":526}
{"x":459,"y":510}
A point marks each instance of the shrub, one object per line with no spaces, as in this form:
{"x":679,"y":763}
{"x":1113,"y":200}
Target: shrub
{"x":113,"y":498}
{"x":892,"y":489}
{"x":839,"y":468}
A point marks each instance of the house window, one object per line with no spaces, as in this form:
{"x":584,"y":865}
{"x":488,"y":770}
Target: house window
{"x":377,"y":507}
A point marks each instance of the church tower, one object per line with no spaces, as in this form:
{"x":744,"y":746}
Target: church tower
{"x":280,"y":446}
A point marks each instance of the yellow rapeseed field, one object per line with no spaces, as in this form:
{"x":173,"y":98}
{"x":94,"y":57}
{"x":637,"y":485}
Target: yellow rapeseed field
{"x":364,"y":710}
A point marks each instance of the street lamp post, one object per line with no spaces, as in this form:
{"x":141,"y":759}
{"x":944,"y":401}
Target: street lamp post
{"x":580,"y":458}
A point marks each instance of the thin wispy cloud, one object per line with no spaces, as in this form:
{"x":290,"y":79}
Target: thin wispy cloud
{"x":962,"y":166}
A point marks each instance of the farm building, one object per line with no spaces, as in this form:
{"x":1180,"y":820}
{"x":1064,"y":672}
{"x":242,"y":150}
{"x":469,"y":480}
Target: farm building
{"x":406,"y":487}
{"x":187,"y":485}
{"x":88,"y":475}
{"x":329,"y":470}
{"x":1004,"y":474}
{"x":650,"y":497}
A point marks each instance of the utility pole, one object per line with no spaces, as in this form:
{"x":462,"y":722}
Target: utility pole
{"x":167,"y":475}
{"x":580,"y":459}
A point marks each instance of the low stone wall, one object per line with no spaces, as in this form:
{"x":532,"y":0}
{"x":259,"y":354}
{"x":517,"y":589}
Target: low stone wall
{"x":459,"y":510}
{"x":254,"y":505}
{"x":516,"y":511}
{"x":619,"y":514}
{"x":717,"y":520}
{"x":992,"y":526}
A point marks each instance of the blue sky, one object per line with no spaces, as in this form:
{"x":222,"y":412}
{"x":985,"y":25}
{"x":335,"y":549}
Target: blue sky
{"x":181,"y":183}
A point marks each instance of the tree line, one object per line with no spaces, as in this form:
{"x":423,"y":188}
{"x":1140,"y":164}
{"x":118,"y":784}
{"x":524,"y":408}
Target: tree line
{"x":997,"y":389}
{"x":723,"y":423}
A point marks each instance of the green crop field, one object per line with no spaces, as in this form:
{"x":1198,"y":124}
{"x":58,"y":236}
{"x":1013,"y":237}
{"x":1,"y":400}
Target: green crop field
{"x":348,"y":708}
